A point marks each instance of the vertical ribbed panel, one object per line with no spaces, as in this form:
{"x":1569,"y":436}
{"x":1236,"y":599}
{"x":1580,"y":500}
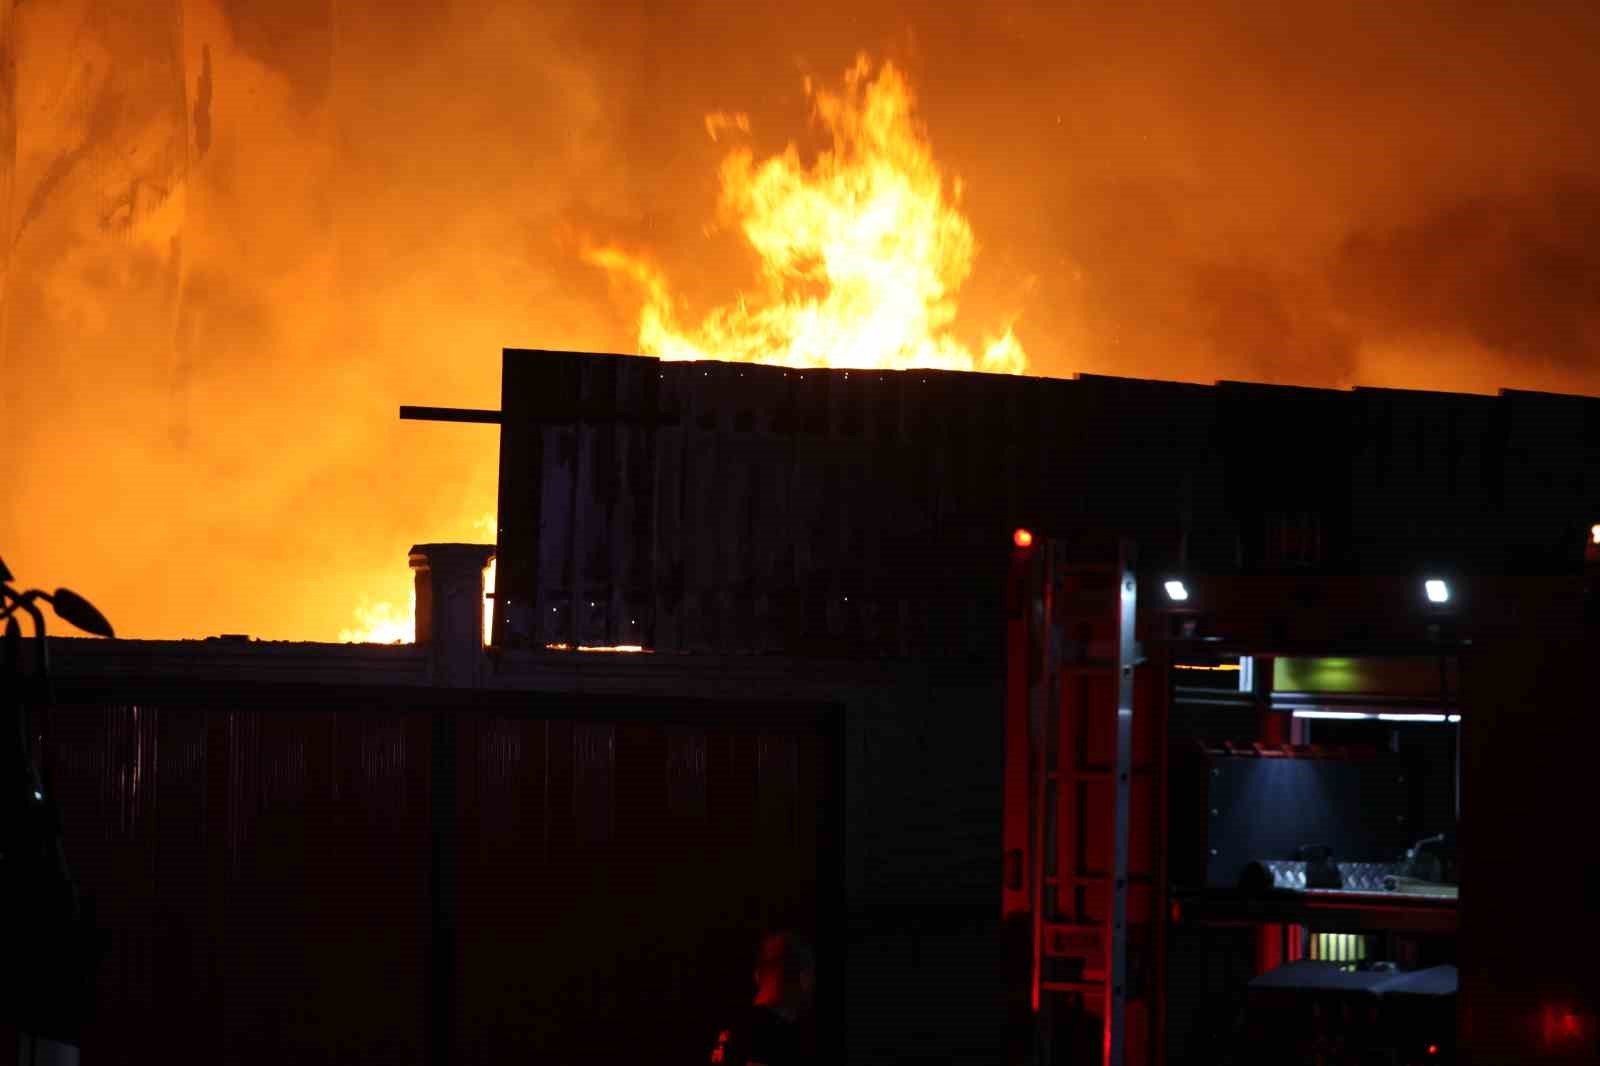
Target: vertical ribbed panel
{"x":621,"y":870}
{"x":261,"y":877}
{"x":264,"y":878}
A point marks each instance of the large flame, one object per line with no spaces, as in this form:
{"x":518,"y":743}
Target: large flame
{"x":862,"y":253}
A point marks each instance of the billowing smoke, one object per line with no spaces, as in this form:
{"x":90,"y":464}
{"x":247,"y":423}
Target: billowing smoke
{"x":237,"y":235}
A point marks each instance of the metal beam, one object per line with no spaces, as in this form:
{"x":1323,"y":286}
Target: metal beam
{"x":449,"y":414}
{"x":1128,"y":659}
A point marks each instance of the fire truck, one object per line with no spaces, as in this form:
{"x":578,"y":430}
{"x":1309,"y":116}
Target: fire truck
{"x":1326,"y":819}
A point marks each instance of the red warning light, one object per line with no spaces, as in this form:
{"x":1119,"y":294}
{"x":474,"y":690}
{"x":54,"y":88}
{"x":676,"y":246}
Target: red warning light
{"x":1562,"y":1027}
{"x":1433,"y":1049}
{"x":1022,"y":538}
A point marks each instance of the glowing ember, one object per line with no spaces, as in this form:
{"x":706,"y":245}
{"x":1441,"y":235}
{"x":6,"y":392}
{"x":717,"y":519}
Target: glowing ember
{"x":862,"y":253}
{"x":596,"y":647}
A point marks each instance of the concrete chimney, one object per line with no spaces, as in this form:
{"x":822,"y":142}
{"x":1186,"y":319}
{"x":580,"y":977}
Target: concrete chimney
{"x":450,"y":609}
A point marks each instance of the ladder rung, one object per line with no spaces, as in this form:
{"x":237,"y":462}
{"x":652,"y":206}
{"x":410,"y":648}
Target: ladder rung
{"x":1092,"y":669}
{"x":1089,"y":987}
{"x":1094,"y":879}
{"x":1087,"y":775}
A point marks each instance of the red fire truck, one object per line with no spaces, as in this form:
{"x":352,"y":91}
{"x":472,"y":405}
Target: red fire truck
{"x":1232,"y":808}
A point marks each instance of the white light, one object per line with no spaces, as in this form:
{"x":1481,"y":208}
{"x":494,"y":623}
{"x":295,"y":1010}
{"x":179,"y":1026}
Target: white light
{"x":1438,"y":591}
{"x":1176,"y":591}
{"x":38,"y":795}
{"x":1369,"y":716}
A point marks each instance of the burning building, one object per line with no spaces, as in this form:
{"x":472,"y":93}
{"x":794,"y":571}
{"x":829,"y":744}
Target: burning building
{"x":824,"y":718}
{"x":847,"y":579}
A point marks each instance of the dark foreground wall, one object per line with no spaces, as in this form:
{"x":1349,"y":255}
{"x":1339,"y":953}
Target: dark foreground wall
{"x":268,"y":879}
{"x":307,"y":850}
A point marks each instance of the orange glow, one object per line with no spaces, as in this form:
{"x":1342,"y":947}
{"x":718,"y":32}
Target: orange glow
{"x":1022,"y":538}
{"x":862,"y":253}
{"x":224,"y":219}
{"x":384,"y":623}
{"x":488,"y":601}
{"x":596,"y":647}
{"x":1594,"y":533}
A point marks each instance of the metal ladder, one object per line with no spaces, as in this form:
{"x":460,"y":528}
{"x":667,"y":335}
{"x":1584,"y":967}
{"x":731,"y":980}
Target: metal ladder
{"x":1078,"y":624}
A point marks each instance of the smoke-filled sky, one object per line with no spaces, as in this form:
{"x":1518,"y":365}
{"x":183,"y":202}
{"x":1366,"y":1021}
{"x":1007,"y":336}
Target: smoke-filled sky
{"x":240,"y":233}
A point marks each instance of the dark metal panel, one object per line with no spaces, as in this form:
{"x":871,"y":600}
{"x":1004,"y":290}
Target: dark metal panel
{"x":1542,"y":482}
{"x":595,"y":501}
{"x":222,"y":867}
{"x":735,"y":510}
{"x":1265,"y":808}
{"x":671,"y":442}
{"x":899,"y":461}
{"x":268,"y":872}
{"x":769,"y":446}
{"x":807,"y":508}
{"x":969,"y":456}
{"x":554,"y":385}
{"x":704,"y":570}
{"x":594,"y":782}
{"x":844,"y":456}
{"x":502,"y":889}
{"x":942,"y":580}
{"x":873,"y":589}
{"x":633,"y":516}
{"x":520,"y":494}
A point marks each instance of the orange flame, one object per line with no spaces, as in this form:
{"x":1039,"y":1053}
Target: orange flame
{"x":384,"y":623}
{"x":862,"y":253}
{"x":488,"y":601}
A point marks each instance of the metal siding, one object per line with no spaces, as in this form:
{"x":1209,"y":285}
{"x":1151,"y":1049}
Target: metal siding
{"x":703,"y":578}
{"x":738,"y":476}
{"x":245,"y":907}
{"x":768,"y":509}
{"x":264,"y":877}
{"x":769,"y":448}
{"x":671,"y":442}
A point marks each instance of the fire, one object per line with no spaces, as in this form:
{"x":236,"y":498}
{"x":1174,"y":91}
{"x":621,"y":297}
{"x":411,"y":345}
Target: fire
{"x":488,"y":601}
{"x":384,"y":623}
{"x":862,"y":253}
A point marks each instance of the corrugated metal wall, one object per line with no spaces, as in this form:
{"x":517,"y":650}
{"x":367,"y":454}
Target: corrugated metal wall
{"x":614,"y":877}
{"x":738,"y":508}
{"x":265,"y":879}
